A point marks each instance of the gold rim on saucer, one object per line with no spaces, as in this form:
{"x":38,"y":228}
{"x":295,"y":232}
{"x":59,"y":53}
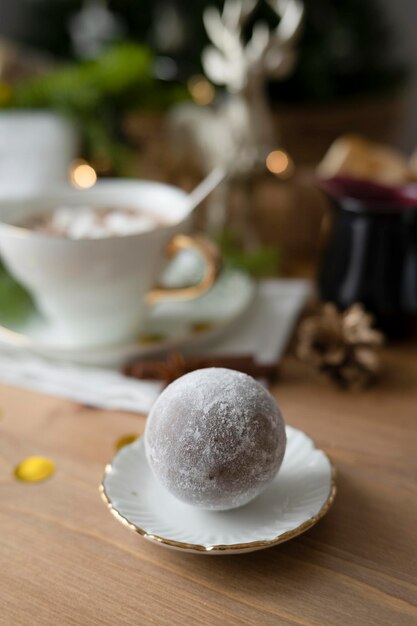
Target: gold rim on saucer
{"x":252,"y":545}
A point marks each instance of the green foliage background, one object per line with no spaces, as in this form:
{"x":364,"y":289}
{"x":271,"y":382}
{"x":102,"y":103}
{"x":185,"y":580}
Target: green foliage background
{"x":96,"y":94}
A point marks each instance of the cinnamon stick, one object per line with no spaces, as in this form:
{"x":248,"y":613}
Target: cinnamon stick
{"x":176,"y":365}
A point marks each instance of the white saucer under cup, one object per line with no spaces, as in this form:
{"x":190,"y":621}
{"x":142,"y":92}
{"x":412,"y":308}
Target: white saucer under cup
{"x":297,"y":498}
{"x":169,"y":325}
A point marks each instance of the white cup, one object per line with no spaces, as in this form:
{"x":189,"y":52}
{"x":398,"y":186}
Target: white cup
{"x":35,"y":148}
{"x":95,"y":291}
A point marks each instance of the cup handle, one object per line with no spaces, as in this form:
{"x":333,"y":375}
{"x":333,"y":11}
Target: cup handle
{"x":212,"y":259}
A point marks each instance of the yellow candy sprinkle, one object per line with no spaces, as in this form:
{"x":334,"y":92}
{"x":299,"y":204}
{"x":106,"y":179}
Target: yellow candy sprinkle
{"x":34,"y":469}
{"x":202,"y":327}
{"x":5,"y":93}
{"x":125,"y":440}
{"x":150,"y":339}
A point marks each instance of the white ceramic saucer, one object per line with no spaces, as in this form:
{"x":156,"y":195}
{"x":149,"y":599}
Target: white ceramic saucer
{"x":298,"y":497}
{"x":169,"y":325}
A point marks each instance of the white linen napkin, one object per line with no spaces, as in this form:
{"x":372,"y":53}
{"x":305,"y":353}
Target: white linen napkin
{"x":263,"y":331}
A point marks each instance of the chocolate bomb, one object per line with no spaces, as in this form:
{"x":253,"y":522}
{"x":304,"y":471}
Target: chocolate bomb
{"x":215,"y":438}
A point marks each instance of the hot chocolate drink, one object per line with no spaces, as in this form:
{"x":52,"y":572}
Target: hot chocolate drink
{"x":86,"y":222}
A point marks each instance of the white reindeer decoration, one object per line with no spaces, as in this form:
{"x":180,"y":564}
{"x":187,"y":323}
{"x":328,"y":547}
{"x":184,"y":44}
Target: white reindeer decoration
{"x":245,"y":68}
{"x":240,"y":132}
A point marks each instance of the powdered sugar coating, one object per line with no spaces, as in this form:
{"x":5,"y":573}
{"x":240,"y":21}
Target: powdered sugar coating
{"x":215,"y":438}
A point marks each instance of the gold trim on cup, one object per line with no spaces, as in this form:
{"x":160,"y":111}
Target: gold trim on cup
{"x":212,"y":260}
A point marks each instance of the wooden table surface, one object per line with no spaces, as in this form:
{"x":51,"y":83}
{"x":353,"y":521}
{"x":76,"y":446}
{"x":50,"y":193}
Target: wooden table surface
{"x":65,"y":560}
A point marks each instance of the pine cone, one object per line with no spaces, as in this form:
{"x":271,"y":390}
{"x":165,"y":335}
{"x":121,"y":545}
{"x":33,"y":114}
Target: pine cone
{"x":342,"y":345}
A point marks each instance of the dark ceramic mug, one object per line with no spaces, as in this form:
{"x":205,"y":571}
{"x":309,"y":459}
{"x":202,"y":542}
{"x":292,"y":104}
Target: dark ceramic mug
{"x":371,"y":252}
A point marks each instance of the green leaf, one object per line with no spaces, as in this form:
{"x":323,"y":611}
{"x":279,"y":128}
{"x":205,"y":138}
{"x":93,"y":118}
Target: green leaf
{"x":260,"y":262}
{"x":15,"y":302}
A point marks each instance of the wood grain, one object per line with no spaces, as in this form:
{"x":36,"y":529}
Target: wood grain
{"x":65,"y":560}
